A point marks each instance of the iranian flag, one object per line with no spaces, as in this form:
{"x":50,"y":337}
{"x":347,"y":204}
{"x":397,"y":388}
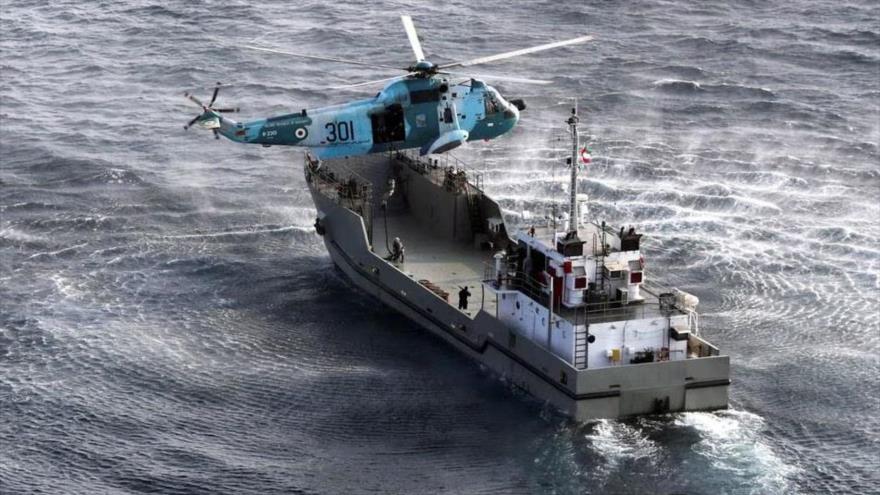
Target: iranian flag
{"x":585,"y":155}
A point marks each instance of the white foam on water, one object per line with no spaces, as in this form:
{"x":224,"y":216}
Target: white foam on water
{"x":57,"y":252}
{"x":66,"y":287}
{"x":16,"y":235}
{"x":616,"y":442}
{"x":731,"y":440}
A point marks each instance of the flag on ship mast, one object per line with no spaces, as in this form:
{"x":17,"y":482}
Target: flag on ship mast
{"x":585,"y":155}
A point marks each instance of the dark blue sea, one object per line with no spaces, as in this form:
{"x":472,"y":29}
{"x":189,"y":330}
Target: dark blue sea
{"x":170,"y":322}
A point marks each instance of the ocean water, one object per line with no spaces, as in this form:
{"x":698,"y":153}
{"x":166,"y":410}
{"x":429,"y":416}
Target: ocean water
{"x":170,"y":323}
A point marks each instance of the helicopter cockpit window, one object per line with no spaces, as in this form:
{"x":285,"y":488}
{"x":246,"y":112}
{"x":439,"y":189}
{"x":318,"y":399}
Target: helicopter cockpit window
{"x":491,"y":105}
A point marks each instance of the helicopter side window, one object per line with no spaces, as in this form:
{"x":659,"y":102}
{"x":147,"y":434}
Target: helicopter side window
{"x":388,"y":125}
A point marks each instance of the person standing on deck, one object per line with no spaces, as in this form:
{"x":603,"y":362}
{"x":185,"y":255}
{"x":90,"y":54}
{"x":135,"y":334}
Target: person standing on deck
{"x":398,"y":253}
{"x":463,"y":296}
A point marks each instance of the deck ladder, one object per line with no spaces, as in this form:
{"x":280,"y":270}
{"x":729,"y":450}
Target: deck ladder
{"x":580,"y":347}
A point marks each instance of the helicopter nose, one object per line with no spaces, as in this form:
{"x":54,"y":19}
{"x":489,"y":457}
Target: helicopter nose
{"x":515,"y":111}
{"x":519,"y":104}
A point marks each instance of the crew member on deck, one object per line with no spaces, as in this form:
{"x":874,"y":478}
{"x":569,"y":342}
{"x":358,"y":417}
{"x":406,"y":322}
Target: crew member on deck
{"x":463,"y":296}
{"x":397,"y":252}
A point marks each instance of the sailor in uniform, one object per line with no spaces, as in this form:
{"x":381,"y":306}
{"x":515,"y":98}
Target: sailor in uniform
{"x":463,"y":296}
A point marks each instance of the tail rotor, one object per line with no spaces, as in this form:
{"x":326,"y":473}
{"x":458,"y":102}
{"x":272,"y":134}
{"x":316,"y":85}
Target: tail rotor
{"x":210,"y":116}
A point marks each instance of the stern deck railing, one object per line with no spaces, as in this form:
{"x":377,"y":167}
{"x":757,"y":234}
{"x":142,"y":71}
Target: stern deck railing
{"x":445,"y":170}
{"x":343,"y":186}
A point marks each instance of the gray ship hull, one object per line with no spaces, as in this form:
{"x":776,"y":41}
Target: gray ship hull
{"x":583,"y":394}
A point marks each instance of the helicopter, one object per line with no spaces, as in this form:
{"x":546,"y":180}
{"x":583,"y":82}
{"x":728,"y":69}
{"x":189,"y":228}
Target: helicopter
{"x":420,"y":109}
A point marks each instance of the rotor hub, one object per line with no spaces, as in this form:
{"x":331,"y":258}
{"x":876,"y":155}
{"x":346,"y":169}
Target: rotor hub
{"x":425,"y":67}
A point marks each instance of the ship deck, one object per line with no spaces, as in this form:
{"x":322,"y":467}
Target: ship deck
{"x":447,"y":264}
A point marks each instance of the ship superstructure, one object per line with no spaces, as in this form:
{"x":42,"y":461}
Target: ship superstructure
{"x":569,"y":315}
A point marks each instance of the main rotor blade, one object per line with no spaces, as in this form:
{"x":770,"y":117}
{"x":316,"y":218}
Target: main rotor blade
{"x":366,"y":83}
{"x":214,"y":96}
{"x":313,"y":57}
{"x":226,"y":110}
{"x":413,"y":37}
{"x":191,"y":122}
{"x":517,"y":53}
{"x":499,"y":78}
{"x":194,"y":100}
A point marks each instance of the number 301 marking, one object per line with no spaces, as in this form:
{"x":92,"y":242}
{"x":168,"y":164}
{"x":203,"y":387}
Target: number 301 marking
{"x":340,"y":131}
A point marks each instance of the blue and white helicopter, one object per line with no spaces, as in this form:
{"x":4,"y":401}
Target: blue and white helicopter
{"x":420,"y":109}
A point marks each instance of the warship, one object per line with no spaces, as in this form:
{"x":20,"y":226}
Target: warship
{"x":567,"y":314}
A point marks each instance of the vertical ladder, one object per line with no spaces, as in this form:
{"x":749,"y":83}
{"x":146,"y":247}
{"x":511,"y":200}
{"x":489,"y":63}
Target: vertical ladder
{"x":580,"y":348}
{"x":599,"y":278}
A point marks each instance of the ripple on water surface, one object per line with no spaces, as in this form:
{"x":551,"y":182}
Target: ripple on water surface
{"x":170,"y":322}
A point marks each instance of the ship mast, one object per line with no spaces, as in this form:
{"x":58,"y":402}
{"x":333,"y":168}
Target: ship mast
{"x":573,"y":206}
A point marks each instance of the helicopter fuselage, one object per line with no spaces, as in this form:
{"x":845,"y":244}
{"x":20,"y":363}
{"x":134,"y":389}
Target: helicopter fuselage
{"x":420,"y":112}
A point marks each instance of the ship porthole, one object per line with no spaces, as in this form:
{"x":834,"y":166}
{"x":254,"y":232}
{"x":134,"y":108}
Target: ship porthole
{"x":301,"y":133}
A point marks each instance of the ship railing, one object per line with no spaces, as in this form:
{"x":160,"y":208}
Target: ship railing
{"x":607,"y":310}
{"x":445,"y":170}
{"x":341,"y":185}
{"x":595,"y":311}
{"x":662,"y":293}
{"x":697,"y":347}
{"x":512,"y":280}
{"x":659,"y":301}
